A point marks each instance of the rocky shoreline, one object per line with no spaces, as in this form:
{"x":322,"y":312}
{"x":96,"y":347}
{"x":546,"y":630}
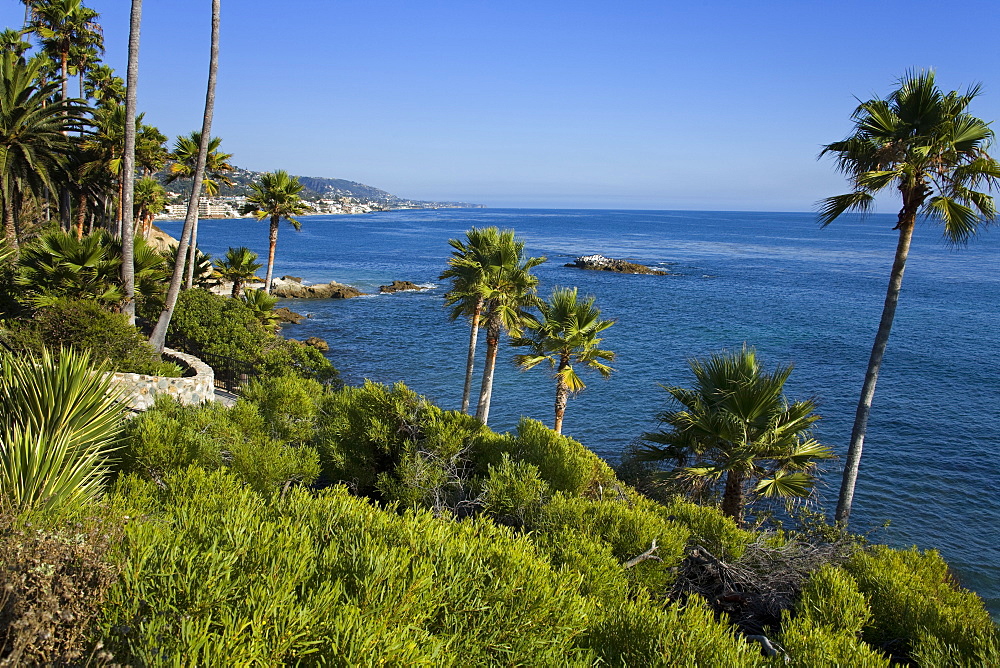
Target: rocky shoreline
{"x":601,"y":263}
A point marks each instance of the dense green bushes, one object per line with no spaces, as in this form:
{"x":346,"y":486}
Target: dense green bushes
{"x":88,"y":326}
{"x":203,"y":322}
{"x":473,"y":549}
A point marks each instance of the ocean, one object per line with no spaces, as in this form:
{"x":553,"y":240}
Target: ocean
{"x":797,"y":293}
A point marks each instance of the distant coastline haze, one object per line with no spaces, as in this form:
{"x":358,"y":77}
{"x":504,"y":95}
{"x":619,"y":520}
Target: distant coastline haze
{"x":720,"y":106}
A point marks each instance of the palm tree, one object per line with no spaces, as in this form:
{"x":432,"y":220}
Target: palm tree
{"x":262,"y":305}
{"x":239,"y":266}
{"x":276,"y":197}
{"x":63,"y":25}
{"x":737,"y":425}
{"x":34,"y":137}
{"x":13,"y":41}
{"x":101,"y":84}
{"x":159,"y":335}
{"x":508,"y":289}
{"x":566,"y":335}
{"x":923,"y":143}
{"x":466,"y":269}
{"x":128,"y":169}
{"x":150,"y":199}
{"x":184,"y":158}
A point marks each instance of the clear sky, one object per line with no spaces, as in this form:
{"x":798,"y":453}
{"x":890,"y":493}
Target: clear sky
{"x":640,"y":105}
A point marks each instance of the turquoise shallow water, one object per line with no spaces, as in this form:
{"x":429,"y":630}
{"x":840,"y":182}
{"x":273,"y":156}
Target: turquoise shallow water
{"x":774,"y":280}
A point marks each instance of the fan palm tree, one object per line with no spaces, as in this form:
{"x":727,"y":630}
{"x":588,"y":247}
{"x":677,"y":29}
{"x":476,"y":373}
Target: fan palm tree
{"x":276,"y":196}
{"x":13,"y":41}
{"x":159,"y":335}
{"x":239,"y":266}
{"x":34,"y":137}
{"x":101,"y":84}
{"x":923,"y":143}
{"x":467,"y":271}
{"x":565,"y":335}
{"x":736,"y":427}
{"x":509,"y":289}
{"x":262,"y":305}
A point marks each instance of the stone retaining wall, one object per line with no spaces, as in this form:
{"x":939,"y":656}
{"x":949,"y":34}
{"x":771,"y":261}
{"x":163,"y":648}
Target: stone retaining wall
{"x":142,"y":390}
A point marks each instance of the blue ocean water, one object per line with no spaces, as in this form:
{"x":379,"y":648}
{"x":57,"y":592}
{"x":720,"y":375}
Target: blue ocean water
{"x":773,"y":280}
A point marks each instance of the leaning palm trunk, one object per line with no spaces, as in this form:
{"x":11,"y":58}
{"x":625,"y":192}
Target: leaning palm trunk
{"x":853,"y":459}
{"x":492,"y":346}
{"x":562,"y":398}
{"x":192,"y":256}
{"x":128,"y":165}
{"x":273,"y":241}
{"x":159,"y":335}
{"x":471,"y":359}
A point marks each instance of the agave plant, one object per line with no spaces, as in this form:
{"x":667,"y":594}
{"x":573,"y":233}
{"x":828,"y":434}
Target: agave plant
{"x":60,"y":421}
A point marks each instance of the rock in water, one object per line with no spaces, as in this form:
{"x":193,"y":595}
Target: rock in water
{"x":317,"y":343}
{"x":285,"y":314}
{"x":400,"y":286}
{"x":288,"y":287}
{"x":601,"y":263}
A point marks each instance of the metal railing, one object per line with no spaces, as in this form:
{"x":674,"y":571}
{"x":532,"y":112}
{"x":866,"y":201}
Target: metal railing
{"x":231,"y":374}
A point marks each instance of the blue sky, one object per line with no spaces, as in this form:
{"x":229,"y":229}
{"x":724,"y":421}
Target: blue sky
{"x":655,"y":105}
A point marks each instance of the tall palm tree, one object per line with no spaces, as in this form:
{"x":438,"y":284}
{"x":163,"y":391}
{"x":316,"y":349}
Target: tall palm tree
{"x":159,"y":335}
{"x":184,"y":158}
{"x":923,"y":143}
{"x":13,"y":41}
{"x":565,"y":335}
{"x":63,"y":25}
{"x":101,"y":84}
{"x":509,"y":289}
{"x":239,"y":266}
{"x":128,"y":169}
{"x":276,"y":196}
{"x":736,"y":427}
{"x":467,"y":271}
{"x":34,"y":137}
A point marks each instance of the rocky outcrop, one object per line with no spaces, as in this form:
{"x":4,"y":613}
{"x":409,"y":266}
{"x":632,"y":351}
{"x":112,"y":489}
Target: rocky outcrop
{"x":317,"y":343}
{"x":601,"y":263}
{"x":291,"y":287}
{"x":287,"y":315}
{"x":400,"y":286}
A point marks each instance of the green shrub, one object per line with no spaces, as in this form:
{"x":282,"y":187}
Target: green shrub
{"x":565,"y":464}
{"x":383,"y":441}
{"x":629,"y":530}
{"x":830,"y":598}
{"x":170,"y":437}
{"x":590,"y":558}
{"x":917,"y":606}
{"x":709,"y":528}
{"x":87,"y":326}
{"x":811,"y":645}
{"x":204,"y":322}
{"x":289,"y":406}
{"x":640,"y":634}
{"x":222,"y":576}
{"x":513,"y":491}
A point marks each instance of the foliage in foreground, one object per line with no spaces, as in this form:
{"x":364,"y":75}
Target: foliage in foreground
{"x":231,"y":558}
{"x":59,"y":423}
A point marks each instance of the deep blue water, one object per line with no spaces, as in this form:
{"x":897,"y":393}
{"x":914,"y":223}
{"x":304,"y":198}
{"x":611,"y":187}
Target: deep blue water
{"x":774,"y":280}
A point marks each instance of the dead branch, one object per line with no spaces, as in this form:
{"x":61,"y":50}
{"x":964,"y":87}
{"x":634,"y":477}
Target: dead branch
{"x":645,"y":556}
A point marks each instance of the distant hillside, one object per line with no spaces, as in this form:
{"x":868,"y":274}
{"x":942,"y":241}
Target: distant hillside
{"x":317,"y":187}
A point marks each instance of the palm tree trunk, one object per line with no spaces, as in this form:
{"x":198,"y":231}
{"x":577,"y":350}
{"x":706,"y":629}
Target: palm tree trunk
{"x":192,"y":254}
{"x":471,"y":359}
{"x":492,"y":346}
{"x":159,"y":335}
{"x":732,"y":497}
{"x":273,"y":241}
{"x":65,"y":217}
{"x":237,"y":288}
{"x":853,"y":459}
{"x":9,"y":227}
{"x":81,"y":214}
{"x":128,"y":164}
{"x":562,"y":398}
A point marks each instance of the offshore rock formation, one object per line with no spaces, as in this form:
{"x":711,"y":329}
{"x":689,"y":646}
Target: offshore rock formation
{"x":601,"y":263}
{"x":400,"y":286}
{"x":290,"y":287}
